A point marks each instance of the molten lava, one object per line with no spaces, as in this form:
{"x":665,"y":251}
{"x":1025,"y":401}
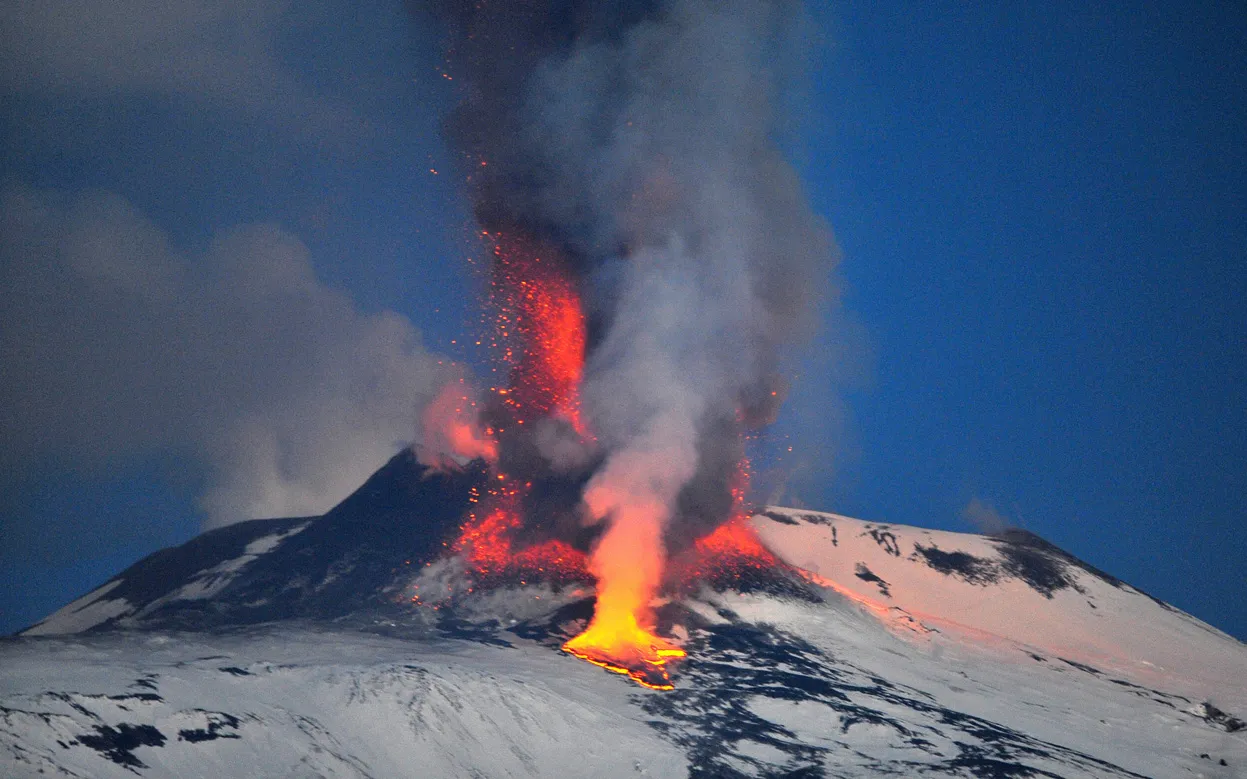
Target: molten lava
{"x":731,"y":557}
{"x":617,"y":643}
{"x":485,"y":543}
{"x":540,"y":334}
{"x":734,"y":543}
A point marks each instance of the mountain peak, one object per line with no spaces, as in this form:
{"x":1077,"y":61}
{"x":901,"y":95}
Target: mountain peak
{"x":357,"y":641}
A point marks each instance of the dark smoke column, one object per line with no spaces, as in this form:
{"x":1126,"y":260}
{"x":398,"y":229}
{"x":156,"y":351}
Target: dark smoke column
{"x":638,"y":140}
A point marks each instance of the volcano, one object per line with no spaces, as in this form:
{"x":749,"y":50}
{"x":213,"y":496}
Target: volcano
{"x":360,"y":643}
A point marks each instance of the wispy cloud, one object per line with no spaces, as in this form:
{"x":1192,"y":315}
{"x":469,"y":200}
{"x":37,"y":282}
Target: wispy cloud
{"x":985,"y":517}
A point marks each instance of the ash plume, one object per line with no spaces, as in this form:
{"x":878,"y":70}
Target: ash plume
{"x":640,"y":140}
{"x":118,"y":345}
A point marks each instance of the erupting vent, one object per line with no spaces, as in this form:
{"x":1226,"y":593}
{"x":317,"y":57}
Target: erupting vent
{"x":652,"y":255}
{"x":540,"y":339}
{"x":485,"y":542}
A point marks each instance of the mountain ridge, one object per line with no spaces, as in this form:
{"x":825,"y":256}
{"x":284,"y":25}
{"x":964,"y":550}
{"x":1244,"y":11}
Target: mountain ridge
{"x":298,"y":646}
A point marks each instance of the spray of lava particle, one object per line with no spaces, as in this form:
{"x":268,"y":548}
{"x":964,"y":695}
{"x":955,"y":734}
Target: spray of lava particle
{"x":485,"y":543}
{"x":540,"y":331}
{"x":540,"y":338}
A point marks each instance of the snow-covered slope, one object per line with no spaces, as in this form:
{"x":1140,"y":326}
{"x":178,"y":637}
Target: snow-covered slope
{"x":292,"y":648}
{"x":299,"y":702}
{"x":772,"y":688}
{"x":1014,"y":588}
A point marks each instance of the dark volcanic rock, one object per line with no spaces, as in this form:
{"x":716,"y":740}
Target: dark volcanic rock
{"x":974,"y":570}
{"x":867,"y":575}
{"x":342,"y":563}
{"x":118,"y":744}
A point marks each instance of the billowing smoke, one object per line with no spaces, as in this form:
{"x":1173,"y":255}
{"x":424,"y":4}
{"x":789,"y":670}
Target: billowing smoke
{"x":450,"y":431}
{"x":639,"y":139}
{"x":117,"y":346}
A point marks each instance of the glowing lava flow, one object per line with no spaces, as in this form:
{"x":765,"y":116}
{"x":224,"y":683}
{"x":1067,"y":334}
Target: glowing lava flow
{"x":617,"y":643}
{"x":540,"y":333}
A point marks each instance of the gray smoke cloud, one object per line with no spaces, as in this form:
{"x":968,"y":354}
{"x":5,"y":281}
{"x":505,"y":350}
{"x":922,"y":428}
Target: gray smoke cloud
{"x":641,"y":139}
{"x":117,"y":345}
{"x":220,"y":51}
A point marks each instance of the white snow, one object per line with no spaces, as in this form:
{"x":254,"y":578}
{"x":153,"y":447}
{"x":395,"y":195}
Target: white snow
{"x":1113,"y":629}
{"x":1049,"y":701}
{"x":83,"y":614}
{"x":325,"y":704}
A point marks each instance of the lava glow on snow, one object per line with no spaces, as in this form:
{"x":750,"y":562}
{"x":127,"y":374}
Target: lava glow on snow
{"x":540,"y":339}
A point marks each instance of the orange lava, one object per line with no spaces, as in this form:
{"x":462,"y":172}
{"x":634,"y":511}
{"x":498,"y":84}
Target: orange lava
{"x":485,"y":542}
{"x":629,"y":563}
{"x":728,"y":557}
{"x":486,"y":545}
{"x":540,"y":335}
{"x":736,"y":541}
{"x":617,"y":643}
{"x":552,"y":560}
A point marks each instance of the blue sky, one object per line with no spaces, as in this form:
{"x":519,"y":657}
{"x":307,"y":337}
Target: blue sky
{"x":1042,"y":215}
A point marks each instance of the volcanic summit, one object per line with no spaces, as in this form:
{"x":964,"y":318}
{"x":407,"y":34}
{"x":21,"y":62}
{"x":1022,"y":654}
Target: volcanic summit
{"x":362,"y":643}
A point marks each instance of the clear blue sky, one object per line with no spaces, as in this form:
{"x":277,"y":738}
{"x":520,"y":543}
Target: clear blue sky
{"x":1042,"y":213}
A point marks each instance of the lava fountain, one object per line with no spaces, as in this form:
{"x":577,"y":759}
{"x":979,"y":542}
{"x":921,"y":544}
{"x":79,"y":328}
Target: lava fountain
{"x":539,"y":337}
{"x":621,"y":159}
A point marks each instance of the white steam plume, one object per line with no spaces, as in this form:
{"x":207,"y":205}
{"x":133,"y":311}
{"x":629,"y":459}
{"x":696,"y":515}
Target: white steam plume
{"x":662,"y":141}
